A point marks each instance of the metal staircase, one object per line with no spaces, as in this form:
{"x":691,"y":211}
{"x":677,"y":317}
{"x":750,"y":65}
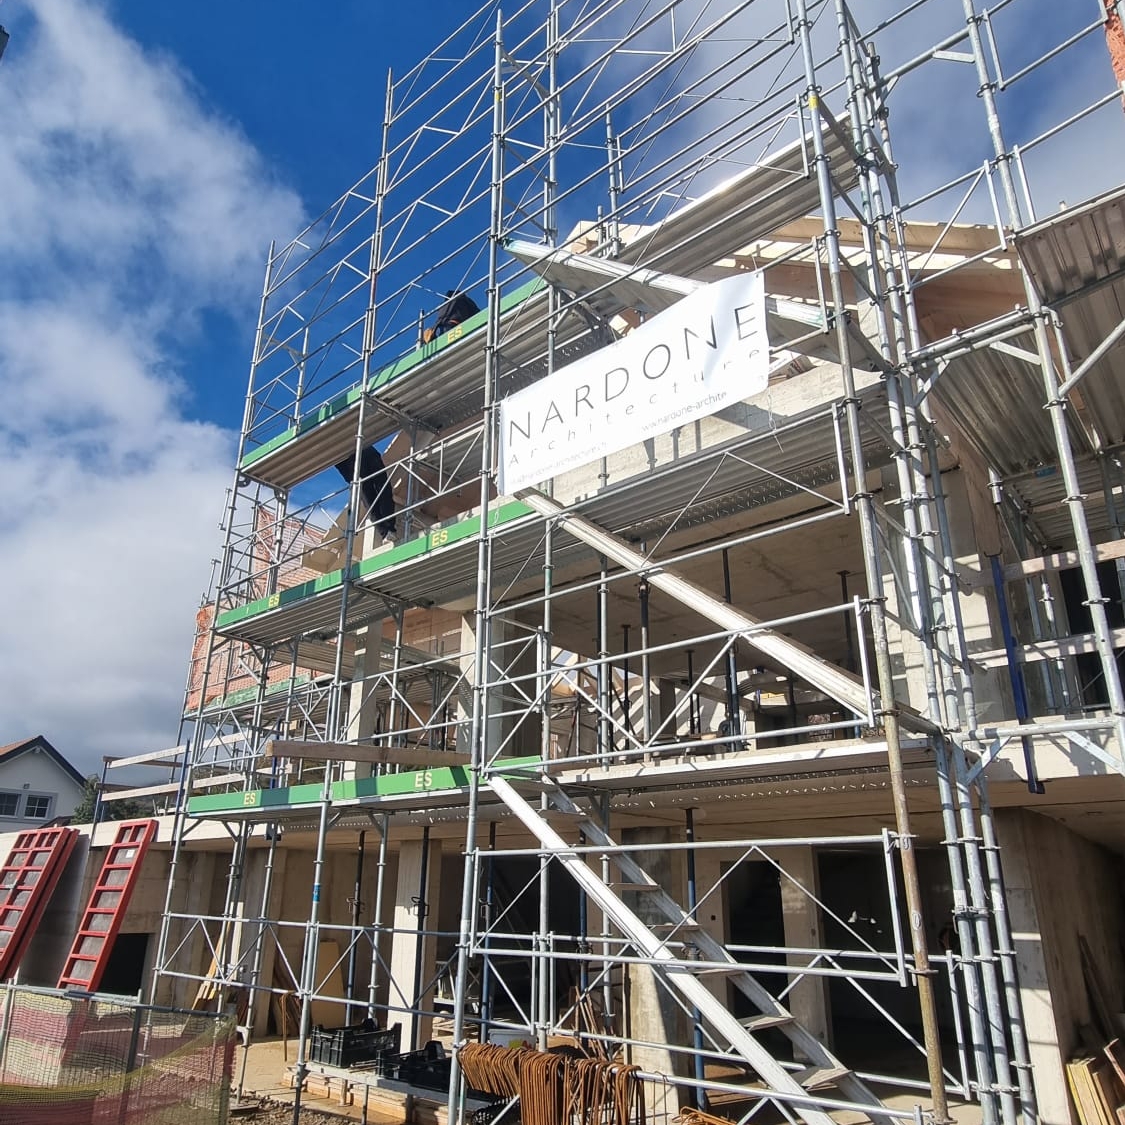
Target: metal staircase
{"x":823,"y":1069}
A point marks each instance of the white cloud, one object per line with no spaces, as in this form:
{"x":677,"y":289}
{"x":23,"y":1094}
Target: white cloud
{"x":129,"y":210}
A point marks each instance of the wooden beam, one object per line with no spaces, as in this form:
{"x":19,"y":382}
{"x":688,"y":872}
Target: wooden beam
{"x":157,"y":757}
{"x":349,"y":752}
{"x":1028,"y":568}
{"x":171,"y":787}
{"x":1058,"y":649}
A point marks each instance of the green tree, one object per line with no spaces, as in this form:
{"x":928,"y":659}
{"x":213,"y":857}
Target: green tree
{"x":110,"y":810}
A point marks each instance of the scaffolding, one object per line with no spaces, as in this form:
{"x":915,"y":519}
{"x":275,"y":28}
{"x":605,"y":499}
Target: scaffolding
{"x":603,"y":680}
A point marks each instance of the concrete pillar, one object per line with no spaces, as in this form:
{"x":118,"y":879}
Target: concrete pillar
{"x":666,"y":707}
{"x":201,"y":882}
{"x":902,"y":627}
{"x":363,"y":709}
{"x":514,"y":653}
{"x":413,"y":955}
{"x":712,"y":913}
{"x":1061,"y":890}
{"x":974,"y":534}
{"x":259,"y":1012}
{"x":652,"y":1015}
{"x":468,"y":679}
{"x":800,"y":886}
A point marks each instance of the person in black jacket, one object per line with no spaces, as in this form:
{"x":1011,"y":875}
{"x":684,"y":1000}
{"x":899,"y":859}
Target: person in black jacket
{"x":458,"y":308}
{"x":374,"y":489}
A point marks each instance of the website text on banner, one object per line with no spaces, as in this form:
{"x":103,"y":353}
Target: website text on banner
{"x":705,"y":352}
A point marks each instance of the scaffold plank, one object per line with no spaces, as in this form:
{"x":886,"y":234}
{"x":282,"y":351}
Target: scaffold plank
{"x":350,"y":752}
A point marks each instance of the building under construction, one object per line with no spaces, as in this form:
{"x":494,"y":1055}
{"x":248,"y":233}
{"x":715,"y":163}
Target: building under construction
{"x":732,"y":694}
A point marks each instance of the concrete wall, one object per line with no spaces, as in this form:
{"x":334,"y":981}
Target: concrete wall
{"x":1061,"y":888}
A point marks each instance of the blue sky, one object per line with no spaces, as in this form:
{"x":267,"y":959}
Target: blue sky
{"x":149,"y":152}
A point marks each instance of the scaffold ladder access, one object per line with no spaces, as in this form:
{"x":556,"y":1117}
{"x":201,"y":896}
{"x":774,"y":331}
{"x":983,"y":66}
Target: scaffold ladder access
{"x":109,"y":899}
{"x":27,"y":880}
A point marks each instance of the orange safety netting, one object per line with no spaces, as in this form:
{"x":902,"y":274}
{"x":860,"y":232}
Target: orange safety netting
{"x":97,"y":1061}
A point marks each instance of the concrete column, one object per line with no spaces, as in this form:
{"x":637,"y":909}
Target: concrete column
{"x":259,"y":1012}
{"x":465,"y":688}
{"x":902,"y":628}
{"x":652,"y":1015}
{"x":1058,"y":886}
{"x":712,"y":913}
{"x":200,"y":879}
{"x":413,"y":955}
{"x":804,"y":929}
{"x":666,"y":706}
{"x":514,"y":654}
{"x":973,"y":532}
{"x":363,"y":710}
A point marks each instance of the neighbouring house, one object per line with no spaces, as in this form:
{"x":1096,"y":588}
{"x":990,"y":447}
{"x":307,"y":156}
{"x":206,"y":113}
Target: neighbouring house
{"x":37,"y":784}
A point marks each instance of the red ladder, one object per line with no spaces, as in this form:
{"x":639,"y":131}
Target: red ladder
{"x":106,"y":909}
{"x":27,"y":880}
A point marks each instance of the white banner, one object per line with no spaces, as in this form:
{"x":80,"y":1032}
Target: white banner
{"x":705,"y":352}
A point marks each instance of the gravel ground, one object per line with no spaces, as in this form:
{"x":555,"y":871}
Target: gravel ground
{"x":275,"y":1113}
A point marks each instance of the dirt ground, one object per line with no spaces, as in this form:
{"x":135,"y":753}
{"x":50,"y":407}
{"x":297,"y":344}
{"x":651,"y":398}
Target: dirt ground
{"x":264,"y":1089}
{"x":273,"y":1114}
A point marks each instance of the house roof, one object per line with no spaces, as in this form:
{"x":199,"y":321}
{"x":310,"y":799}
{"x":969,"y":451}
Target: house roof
{"x":15,"y":749}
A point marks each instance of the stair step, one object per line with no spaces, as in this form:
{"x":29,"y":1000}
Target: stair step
{"x":764,"y":1022}
{"x":685,"y":926}
{"x":642,"y":887}
{"x":814,"y":1076}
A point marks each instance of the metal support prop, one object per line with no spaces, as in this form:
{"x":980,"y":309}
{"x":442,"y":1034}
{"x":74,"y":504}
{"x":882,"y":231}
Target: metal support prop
{"x":377,"y":915}
{"x":734,"y":715}
{"x":357,"y":907}
{"x":700,"y":1093}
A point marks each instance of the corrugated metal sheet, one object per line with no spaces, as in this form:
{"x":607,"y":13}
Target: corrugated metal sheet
{"x":1076,"y":260}
{"x":1073,"y":250}
{"x":997,"y":400}
{"x":1042,"y":494}
{"x":741,"y":210}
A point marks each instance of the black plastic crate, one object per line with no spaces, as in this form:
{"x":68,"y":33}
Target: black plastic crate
{"x":428,"y":1068}
{"x":430,"y":1074}
{"x":353,"y":1046}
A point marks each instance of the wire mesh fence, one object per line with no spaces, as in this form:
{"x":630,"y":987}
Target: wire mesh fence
{"x":67,"y":1060}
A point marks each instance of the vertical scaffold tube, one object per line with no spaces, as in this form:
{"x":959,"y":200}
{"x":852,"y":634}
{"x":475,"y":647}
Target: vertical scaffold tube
{"x":865,"y":508}
{"x":478,"y":727}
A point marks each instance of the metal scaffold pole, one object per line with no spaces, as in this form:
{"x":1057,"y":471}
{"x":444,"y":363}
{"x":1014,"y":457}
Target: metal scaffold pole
{"x":482,"y":658}
{"x":865,"y":506}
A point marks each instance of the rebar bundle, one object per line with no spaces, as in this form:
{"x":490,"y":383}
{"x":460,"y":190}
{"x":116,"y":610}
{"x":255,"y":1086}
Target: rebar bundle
{"x":554,"y":1088}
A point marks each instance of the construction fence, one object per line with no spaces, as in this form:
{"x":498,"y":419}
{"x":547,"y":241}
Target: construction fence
{"x":93,"y":1060}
